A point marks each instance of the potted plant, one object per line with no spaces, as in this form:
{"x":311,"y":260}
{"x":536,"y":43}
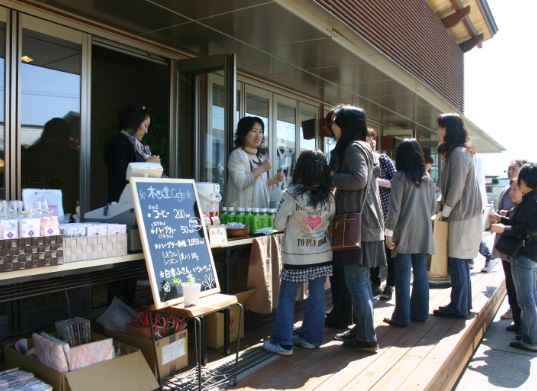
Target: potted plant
{"x":191,"y":289}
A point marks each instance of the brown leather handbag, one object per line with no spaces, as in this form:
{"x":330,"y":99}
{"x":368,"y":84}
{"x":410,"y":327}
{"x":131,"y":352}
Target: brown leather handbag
{"x":347,"y":227}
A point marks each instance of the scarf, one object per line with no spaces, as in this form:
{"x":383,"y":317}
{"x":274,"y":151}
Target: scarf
{"x":141,"y":149}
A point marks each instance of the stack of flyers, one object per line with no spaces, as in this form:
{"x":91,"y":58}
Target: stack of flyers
{"x":76,"y":331}
{"x":14,"y":379}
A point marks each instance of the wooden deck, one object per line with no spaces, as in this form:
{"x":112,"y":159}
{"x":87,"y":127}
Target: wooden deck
{"x":425,"y":356}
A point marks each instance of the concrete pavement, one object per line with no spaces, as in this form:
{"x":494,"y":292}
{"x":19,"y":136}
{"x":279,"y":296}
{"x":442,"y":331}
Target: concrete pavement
{"x":497,"y":366}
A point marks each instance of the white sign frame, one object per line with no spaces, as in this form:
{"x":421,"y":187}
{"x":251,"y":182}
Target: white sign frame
{"x":145,"y":244}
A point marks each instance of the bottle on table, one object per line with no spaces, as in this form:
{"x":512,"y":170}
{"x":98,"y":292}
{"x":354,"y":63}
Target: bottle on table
{"x":249,"y":218}
{"x":265,"y":218}
{"x":239,"y":216}
{"x":223,"y":216}
{"x":256,"y":220}
{"x":231,"y":215}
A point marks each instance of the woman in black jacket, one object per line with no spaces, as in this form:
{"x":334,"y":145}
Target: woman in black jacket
{"x":522,"y":227}
{"x":127,"y":148}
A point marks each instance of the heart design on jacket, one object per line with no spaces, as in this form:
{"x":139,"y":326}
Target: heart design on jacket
{"x":313,"y":221}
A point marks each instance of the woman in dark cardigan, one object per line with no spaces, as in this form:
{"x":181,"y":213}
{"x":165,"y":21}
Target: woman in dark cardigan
{"x":127,"y":147}
{"x":355,"y":170}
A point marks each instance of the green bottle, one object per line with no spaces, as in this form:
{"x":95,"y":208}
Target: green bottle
{"x":239,"y":216}
{"x":257,"y":220}
{"x":249,"y":219}
{"x":231,"y":215}
{"x":265,"y":218}
{"x":272,"y":214}
{"x":223,"y":216}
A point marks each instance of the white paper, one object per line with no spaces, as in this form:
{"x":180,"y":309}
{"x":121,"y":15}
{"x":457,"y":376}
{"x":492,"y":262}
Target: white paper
{"x":173,"y":351}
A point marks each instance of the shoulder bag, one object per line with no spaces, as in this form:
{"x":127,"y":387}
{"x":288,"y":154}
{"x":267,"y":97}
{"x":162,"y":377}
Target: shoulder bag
{"x":347,"y":227}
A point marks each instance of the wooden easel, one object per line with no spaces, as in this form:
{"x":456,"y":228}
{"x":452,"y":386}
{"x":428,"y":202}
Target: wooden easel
{"x":207,"y":305}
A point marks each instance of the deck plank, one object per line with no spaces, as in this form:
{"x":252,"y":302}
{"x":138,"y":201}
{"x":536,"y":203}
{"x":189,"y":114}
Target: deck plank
{"x":432,"y":352}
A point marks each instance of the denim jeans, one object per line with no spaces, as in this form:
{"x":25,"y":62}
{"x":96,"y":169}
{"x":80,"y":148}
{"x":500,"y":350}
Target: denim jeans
{"x":407,"y":307}
{"x":523,"y":270}
{"x":359,"y":286}
{"x":461,"y":286}
{"x":313,"y":325}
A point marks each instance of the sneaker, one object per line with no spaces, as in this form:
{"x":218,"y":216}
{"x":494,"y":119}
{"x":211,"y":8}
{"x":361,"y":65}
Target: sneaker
{"x":377,"y":290}
{"x":387,"y":293}
{"x":520,"y":345}
{"x":299,"y":341}
{"x":277,"y":349}
{"x":508,"y":315}
{"x":490,"y":264}
{"x":354,"y":344}
{"x":349,"y":334}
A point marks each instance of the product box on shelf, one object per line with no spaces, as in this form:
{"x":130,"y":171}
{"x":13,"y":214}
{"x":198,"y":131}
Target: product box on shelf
{"x":172,"y":350}
{"x":94,"y":247}
{"x":215,"y":323}
{"x":129,"y":371}
{"x":28,"y":253}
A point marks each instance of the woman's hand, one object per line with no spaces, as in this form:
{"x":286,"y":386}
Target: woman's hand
{"x":153,"y":159}
{"x":495,"y":217}
{"x":498,"y":228}
{"x":503,"y":213}
{"x":279,"y":177}
{"x":390,"y":245}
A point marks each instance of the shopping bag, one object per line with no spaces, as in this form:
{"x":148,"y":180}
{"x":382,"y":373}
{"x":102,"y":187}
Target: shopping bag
{"x":439,"y":261}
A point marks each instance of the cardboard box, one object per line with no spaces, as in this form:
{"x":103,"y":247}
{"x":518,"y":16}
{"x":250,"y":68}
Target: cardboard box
{"x":126,"y":372}
{"x":215,"y":323}
{"x":172,"y":350}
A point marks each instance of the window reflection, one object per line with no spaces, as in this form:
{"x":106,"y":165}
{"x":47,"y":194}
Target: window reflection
{"x":50,"y":115}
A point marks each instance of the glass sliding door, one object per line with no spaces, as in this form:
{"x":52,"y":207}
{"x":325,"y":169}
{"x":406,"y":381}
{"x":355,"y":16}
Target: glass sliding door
{"x":3,"y":166}
{"x":50,"y":72}
{"x":207,"y":96}
{"x":213,"y":153}
{"x":286,"y":145}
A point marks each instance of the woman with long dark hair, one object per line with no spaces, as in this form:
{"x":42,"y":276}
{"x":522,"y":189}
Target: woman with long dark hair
{"x":355,"y":172}
{"x":248,"y":182}
{"x":461,"y":206}
{"x":409,"y":234}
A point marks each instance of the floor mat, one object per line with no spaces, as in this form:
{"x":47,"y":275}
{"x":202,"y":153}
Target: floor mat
{"x":220,"y":375}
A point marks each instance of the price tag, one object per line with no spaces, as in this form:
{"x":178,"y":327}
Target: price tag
{"x":217,"y":235}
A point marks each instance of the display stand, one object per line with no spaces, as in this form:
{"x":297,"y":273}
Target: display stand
{"x":207,"y":305}
{"x":176,"y":246}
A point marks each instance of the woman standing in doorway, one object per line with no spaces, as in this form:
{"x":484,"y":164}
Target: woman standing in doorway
{"x":127,"y":148}
{"x":248,"y":183}
{"x":461,"y":206}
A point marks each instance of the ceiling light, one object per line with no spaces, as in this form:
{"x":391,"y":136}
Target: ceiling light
{"x":26,"y":59}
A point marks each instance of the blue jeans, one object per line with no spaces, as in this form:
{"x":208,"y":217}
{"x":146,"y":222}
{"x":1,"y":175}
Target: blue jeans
{"x":461,"y":286}
{"x":523,"y":270}
{"x":313,"y":325}
{"x":359,"y":287}
{"x":415,"y":307}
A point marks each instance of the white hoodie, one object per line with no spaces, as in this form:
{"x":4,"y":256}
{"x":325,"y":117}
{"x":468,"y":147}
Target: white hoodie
{"x":307,"y":229}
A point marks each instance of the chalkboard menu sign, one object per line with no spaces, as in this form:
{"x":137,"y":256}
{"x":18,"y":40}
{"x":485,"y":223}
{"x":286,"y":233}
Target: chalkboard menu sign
{"x":174,"y":238}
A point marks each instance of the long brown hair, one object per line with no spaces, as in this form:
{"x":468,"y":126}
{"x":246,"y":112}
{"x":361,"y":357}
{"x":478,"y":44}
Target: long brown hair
{"x":456,"y":134}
